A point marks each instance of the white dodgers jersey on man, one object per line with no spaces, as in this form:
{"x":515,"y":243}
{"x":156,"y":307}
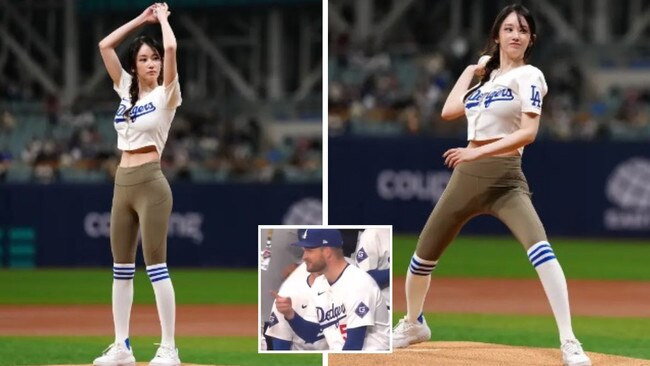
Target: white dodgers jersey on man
{"x":297,"y":288}
{"x":352,"y":301}
{"x":373,"y":252}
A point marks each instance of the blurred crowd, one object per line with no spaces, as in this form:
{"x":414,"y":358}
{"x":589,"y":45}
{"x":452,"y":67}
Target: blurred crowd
{"x":47,"y":143}
{"x":402,"y":91}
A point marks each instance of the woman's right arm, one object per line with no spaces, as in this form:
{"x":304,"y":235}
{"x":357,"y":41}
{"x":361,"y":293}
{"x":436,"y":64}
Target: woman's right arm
{"x":454,"y":106}
{"x":109,"y":43}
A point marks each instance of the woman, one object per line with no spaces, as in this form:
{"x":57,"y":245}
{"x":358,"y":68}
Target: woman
{"x":142,"y":198}
{"x":503,"y":112}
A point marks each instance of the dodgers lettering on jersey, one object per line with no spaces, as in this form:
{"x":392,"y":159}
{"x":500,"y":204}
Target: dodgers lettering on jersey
{"x":475,"y":98}
{"x":134,"y":113}
{"x":495,"y":109}
{"x":150,"y":117}
{"x":332,"y":315}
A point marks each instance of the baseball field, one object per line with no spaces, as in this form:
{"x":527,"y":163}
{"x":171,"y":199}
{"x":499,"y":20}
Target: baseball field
{"x":486,"y":306}
{"x":63,"y":316}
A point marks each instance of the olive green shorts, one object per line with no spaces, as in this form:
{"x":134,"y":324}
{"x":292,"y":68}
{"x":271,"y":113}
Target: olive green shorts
{"x":142,"y":199}
{"x":495,"y":186}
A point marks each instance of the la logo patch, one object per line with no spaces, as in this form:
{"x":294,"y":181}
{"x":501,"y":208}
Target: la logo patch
{"x":536,"y":97}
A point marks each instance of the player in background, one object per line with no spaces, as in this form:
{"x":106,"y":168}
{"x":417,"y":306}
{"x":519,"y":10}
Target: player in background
{"x":350,"y":310}
{"x":142,"y":199}
{"x":373,"y":256}
{"x":503,"y":112}
{"x":298,"y":287}
{"x":278,"y":258}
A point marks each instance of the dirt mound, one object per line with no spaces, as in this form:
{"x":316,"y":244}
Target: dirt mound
{"x":473,"y":353}
{"x":526,"y":296}
{"x":92,"y":320}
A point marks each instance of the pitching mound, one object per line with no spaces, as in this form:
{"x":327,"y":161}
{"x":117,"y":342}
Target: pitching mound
{"x":473,"y":353}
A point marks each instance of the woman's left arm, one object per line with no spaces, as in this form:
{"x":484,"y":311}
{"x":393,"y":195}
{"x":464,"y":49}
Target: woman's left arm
{"x":169,"y":43}
{"x":522,"y":137}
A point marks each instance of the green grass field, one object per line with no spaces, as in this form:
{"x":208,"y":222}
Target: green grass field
{"x":467,"y":257}
{"x":93,"y":286}
{"x":201,"y":350}
{"x":503,"y":257}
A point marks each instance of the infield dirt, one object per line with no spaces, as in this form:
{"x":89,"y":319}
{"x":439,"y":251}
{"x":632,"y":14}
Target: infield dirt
{"x":473,"y":354}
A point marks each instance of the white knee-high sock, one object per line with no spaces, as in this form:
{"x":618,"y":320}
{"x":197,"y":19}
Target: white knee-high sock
{"x":550,"y":272}
{"x":165,"y":301}
{"x":418,"y":278}
{"x":123,"y":274}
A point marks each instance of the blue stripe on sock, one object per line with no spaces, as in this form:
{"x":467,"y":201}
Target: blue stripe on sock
{"x":123,"y":277}
{"x":419,"y":273}
{"x":541,"y":254}
{"x":157,"y":270}
{"x":157,"y":273}
{"x":543,"y":261}
{"x":124,"y":271}
{"x":543,"y":246}
{"x":418,"y":264}
{"x":159,"y":279}
{"x":415,"y":268}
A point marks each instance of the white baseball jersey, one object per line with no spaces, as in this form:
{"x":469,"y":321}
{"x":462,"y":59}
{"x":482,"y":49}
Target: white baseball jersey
{"x":494,"y":110}
{"x":352,"y":301}
{"x":297,"y":288}
{"x":373,"y":252}
{"x":151,"y":117}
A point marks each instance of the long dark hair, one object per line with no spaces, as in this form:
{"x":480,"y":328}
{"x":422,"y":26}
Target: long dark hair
{"x":130,"y":63}
{"x":492,"y":47}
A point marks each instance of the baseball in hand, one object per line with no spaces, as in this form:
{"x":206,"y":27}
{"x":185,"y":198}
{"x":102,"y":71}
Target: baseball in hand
{"x":483,"y":60}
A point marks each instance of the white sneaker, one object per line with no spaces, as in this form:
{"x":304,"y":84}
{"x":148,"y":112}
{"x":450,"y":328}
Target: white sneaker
{"x":166,"y":356}
{"x":117,"y":354}
{"x":573,"y":355}
{"x":406,"y":333}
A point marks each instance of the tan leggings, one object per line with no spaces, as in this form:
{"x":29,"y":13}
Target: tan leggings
{"x":494,"y":186}
{"x":142,"y":199}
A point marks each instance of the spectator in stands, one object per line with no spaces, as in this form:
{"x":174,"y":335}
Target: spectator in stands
{"x":5,"y":163}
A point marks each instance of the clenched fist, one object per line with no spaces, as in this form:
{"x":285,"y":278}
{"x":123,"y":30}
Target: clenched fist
{"x":283,"y":304}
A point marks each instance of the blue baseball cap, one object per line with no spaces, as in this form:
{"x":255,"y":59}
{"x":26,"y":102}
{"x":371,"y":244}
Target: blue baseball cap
{"x":316,"y":238}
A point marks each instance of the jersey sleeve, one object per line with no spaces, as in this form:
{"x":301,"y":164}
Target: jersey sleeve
{"x":368,"y":251}
{"x":361,"y":303}
{"x":125,"y":83}
{"x":172,"y":95}
{"x":532,"y":89}
{"x":278,"y":326}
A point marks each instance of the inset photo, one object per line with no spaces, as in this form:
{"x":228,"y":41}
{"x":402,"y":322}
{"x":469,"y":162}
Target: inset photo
{"x":325,"y":289}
